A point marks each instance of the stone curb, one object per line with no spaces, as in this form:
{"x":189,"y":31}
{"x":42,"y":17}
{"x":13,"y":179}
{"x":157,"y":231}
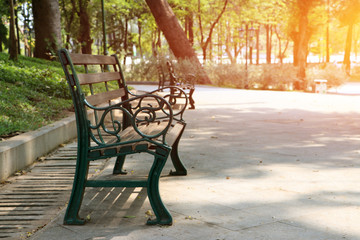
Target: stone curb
{"x":21,"y":151}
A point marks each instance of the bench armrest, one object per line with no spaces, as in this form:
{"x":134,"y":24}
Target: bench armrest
{"x":175,"y":96}
{"x":135,"y":113}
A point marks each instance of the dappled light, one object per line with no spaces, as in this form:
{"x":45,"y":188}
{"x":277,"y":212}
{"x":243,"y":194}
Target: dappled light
{"x":259,"y":100}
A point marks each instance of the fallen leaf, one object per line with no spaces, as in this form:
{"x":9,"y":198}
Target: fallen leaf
{"x":149,"y":213}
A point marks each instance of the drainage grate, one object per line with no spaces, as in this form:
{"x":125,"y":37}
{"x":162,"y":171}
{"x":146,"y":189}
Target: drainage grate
{"x":33,"y":199}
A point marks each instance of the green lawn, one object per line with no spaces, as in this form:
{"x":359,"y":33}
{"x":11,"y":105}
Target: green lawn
{"x":33,"y":93}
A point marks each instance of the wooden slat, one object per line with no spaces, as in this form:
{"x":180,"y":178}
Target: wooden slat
{"x":173,"y":133}
{"x":149,"y":129}
{"x":91,"y":78}
{"x":88,"y":59}
{"x":105,"y":96}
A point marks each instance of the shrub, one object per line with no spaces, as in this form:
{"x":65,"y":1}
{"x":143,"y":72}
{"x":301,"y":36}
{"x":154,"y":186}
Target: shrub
{"x":334,"y":75}
{"x":265,"y":76}
{"x":185,"y":67}
{"x":276,"y":76}
{"x":227,"y":75}
{"x":148,"y":70}
{"x":141,"y":70}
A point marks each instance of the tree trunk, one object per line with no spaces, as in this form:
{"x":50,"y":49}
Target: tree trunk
{"x":251,"y":53}
{"x":302,"y":49}
{"x":268,"y":43}
{"x":47,"y":27}
{"x":140,"y":32}
{"x":328,"y":33}
{"x":17,"y":30}
{"x":13,"y":42}
{"x":205,"y":44}
{"x":257,"y":46}
{"x":84,"y":37}
{"x":84,"y":33}
{"x":174,"y":34}
{"x":126,"y":40}
{"x":3,"y":34}
{"x":347,"y":61}
{"x":69,"y":18}
{"x":191,"y":28}
{"x":295,"y":38}
{"x":281,"y":52}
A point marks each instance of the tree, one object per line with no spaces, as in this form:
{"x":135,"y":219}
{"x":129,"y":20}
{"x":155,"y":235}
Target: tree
{"x":3,"y":34}
{"x":204,"y":43}
{"x":84,"y":37}
{"x":174,"y":34}
{"x":47,"y":28}
{"x":13,"y":50}
{"x":348,"y":14}
{"x":281,"y":52}
{"x":68,"y":17}
{"x":4,"y":11}
{"x":300,"y":34}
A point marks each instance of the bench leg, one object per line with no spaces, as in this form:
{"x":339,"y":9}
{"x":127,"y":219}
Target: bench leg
{"x":118,"y":168}
{"x":180,"y":169}
{"x":191,"y":99}
{"x":163,"y":217}
{"x":72,"y":211}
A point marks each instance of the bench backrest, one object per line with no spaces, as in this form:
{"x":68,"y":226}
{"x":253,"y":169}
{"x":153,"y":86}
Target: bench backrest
{"x":99,"y":82}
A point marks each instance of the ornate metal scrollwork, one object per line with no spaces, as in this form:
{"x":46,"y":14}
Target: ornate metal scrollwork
{"x":146,"y":109}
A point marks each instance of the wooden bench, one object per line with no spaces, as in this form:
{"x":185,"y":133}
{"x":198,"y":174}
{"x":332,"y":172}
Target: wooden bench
{"x":113,"y":122}
{"x":186,"y":82}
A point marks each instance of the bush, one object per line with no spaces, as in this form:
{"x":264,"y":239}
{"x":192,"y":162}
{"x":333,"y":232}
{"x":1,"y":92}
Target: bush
{"x":148,"y":70}
{"x":227,"y":75}
{"x":40,"y":80}
{"x":142,"y":71}
{"x":266,"y":76}
{"x":277,"y":76}
{"x":186,"y":67}
{"x":334,"y":75}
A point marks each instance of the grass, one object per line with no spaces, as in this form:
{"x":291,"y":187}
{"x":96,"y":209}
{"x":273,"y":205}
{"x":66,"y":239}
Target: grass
{"x":33,"y":93}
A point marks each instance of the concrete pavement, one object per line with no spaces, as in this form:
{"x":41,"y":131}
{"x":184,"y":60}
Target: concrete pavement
{"x":262,"y":165}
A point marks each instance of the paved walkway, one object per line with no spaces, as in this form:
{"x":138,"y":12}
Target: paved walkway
{"x":262,"y":165}
{"x":351,"y":88}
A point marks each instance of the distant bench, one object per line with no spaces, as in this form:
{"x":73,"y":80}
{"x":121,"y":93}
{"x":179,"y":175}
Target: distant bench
{"x":113,"y":122}
{"x":168,"y":77}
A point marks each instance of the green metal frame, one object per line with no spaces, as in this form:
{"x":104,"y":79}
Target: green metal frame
{"x":185,"y":82}
{"x":154,"y":144}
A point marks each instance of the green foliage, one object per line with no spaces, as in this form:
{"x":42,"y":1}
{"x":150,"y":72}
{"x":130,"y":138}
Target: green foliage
{"x":142,"y":71}
{"x":32,"y":93}
{"x":36,"y":74}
